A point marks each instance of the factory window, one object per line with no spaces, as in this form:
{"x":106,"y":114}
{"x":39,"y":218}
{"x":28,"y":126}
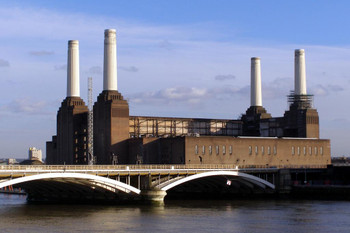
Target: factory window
{"x":223,"y":150}
{"x":304,"y":149}
{"x":203,"y":150}
{"x":262,"y":150}
{"x":84,"y":130}
{"x":84,"y":153}
{"x":76,"y":141}
{"x":274,"y":150}
{"x":298,"y":150}
{"x":293,"y":150}
{"x":321,"y":150}
{"x":76,"y":149}
{"x":315,"y":150}
{"x":256,"y":150}
{"x":84,"y":139}
{"x":217,"y":150}
{"x":230,"y":150}
{"x":196,"y":149}
{"x":250,"y":150}
{"x":75,"y":132}
{"x":76,"y":156}
{"x":210,"y":150}
{"x":310,"y":150}
{"x":268,"y":150}
{"x":84,"y":146}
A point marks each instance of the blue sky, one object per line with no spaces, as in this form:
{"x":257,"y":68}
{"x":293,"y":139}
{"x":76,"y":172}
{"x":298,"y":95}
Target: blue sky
{"x":175,"y":58}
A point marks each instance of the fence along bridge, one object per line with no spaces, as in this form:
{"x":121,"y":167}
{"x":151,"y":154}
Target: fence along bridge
{"x":133,"y":182}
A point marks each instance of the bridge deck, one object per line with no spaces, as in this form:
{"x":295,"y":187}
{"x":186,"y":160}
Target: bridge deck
{"x":125,"y":170}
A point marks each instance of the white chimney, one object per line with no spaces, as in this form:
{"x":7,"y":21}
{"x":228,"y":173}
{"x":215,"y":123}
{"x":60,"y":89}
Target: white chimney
{"x":73,"y":88}
{"x":110,"y":61}
{"x":255,"y":83}
{"x":299,"y":72}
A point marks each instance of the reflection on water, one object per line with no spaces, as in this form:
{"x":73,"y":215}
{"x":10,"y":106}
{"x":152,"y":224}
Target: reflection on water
{"x":177,"y":216}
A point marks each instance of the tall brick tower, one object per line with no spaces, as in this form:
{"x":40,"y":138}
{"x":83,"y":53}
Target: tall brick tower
{"x":111,"y":111}
{"x":256,"y":112}
{"x":301,"y":120}
{"x":71,"y":141}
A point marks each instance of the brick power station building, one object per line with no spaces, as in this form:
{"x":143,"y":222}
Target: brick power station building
{"x":256,"y":139}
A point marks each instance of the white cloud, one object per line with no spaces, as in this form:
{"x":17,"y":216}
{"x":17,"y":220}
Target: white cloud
{"x":277,"y":88}
{"x":190,"y":95}
{"x":170,"y":95}
{"x":23,"y":106}
{"x":321,"y":90}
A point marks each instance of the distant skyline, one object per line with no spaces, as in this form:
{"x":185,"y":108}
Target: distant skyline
{"x":175,"y":58}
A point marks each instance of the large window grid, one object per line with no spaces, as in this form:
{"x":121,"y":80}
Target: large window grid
{"x":162,"y":127}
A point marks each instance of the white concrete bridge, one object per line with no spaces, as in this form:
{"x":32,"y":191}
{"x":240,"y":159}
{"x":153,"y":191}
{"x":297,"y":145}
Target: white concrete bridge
{"x":134,"y":182}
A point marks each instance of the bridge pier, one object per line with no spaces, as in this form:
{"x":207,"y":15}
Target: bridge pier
{"x":153,"y":195}
{"x":284,"y":181}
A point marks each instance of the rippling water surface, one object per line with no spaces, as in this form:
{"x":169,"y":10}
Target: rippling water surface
{"x":177,"y":216}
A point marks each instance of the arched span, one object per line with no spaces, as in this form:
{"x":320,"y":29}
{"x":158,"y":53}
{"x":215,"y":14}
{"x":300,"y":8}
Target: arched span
{"x":92,"y":179}
{"x":252,"y":179}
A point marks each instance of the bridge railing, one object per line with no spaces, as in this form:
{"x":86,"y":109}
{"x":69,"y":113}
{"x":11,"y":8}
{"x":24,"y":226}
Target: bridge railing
{"x":151,"y":167}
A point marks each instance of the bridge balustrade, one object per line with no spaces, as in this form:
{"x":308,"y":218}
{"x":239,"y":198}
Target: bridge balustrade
{"x":148,"y":167}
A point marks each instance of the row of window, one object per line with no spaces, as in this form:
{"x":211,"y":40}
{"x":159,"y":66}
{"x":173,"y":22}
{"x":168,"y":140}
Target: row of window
{"x":305,"y":151}
{"x":211,"y":148}
{"x":262,"y":150}
{"x":295,"y":150}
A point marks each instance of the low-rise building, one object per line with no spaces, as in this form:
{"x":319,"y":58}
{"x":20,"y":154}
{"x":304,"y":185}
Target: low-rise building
{"x":35,"y":154}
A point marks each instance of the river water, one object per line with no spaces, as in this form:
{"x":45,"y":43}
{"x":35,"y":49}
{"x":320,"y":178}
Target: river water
{"x":16,"y":215}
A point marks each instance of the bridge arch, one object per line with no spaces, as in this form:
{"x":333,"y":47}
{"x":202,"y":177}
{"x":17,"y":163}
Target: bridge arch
{"x":243,"y":177}
{"x":82,"y":179}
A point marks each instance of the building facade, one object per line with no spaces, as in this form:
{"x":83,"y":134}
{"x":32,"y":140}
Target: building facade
{"x":35,"y":154}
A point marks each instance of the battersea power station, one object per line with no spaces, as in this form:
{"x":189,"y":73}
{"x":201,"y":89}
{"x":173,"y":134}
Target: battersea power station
{"x":256,"y":139}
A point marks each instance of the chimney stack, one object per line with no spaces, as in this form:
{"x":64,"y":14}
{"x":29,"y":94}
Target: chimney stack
{"x":299,"y":72}
{"x":73,"y":89}
{"x":110,"y":61}
{"x":255,"y":85}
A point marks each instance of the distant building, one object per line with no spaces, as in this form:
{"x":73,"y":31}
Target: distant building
{"x":11,"y":161}
{"x":35,"y":154}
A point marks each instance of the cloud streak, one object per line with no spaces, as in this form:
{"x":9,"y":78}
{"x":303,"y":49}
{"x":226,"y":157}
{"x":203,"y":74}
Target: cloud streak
{"x":4,"y":63}
{"x":225,"y":77}
{"x":23,"y":106}
{"x":128,"y":68}
{"x":190,"y":95}
{"x":41,"y":53}
{"x":171,"y":95}
{"x":95,"y":70}
{"x":61,"y":67}
{"x":325,"y":90}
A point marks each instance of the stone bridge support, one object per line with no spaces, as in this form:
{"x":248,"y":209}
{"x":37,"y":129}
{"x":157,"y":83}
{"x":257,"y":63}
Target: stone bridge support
{"x":149,"y":192}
